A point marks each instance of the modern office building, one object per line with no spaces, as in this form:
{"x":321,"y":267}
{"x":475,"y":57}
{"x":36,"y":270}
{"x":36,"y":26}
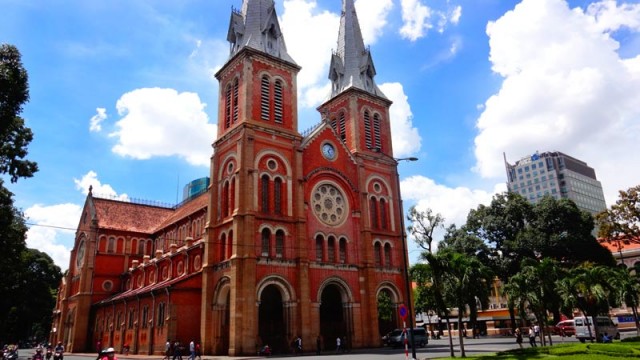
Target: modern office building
{"x":558,"y":175}
{"x":294,"y":234}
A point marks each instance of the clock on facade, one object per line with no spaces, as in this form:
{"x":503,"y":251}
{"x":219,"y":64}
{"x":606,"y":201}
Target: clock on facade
{"x":328,"y":151}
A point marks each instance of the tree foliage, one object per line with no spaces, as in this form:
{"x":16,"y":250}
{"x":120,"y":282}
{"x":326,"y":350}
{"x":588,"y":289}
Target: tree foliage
{"x":622,"y":220}
{"x":14,"y":135}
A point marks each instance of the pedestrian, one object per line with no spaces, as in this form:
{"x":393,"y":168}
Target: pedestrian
{"x":167,"y":350}
{"x":99,"y":349}
{"x":532,"y":337}
{"x":198,"y":353}
{"x":519,"y":337}
{"x":192,"y":350}
{"x":298,"y":345}
{"x":338,"y":344}
{"x":177,"y":351}
{"x":318,"y":345}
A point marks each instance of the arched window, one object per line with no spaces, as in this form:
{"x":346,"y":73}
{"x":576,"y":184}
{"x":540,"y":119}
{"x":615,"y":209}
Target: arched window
{"x":230,"y":245}
{"x":319,"y":248}
{"x":383,"y":214}
{"x":141,"y":244}
{"x":225,"y":200}
{"x":265,"y":109}
{"x":278,"y":102}
{"x":223,"y":247}
{"x":279,"y":243}
{"x":343,"y":127}
{"x":232,"y":196}
{"x":111,"y":245}
{"x":387,"y":256}
{"x":266,"y":238}
{"x":343,"y":250}
{"x":277,"y":196}
{"x":367,"y":130}
{"x":376,"y":131}
{"x":235,"y":101}
{"x":227,"y":107}
{"x":331,"y":249}
{"x":265,"y":193}
{"x":160,"y":321}
{"x":377,"y":250}
{"x":373,"y":209}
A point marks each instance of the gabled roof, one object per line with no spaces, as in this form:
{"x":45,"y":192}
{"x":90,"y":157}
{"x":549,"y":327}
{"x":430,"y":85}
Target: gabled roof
{"x":197,"y":203}
{"x":128,"y":216}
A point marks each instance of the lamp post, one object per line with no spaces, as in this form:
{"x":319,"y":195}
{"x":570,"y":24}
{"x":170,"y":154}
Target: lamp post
{"x":405,"y":257}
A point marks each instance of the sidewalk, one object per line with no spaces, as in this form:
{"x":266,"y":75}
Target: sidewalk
{"x":160,"y":357}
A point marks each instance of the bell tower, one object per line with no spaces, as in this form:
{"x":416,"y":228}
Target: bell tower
{"x":357,"y":110}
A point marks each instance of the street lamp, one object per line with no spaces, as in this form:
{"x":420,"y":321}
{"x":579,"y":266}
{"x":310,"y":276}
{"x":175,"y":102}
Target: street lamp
{"x":405,"y":257}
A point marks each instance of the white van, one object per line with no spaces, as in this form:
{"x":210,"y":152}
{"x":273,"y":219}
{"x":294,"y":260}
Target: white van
{"x":603,"y":323}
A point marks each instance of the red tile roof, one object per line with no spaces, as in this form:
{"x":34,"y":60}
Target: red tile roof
{"x":612,"y":245}
{"x":198,"y":203}
{"x":128,"y":216}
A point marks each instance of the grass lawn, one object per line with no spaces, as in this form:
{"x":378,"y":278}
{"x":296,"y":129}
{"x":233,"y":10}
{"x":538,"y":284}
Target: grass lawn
{"x":616,"y":350}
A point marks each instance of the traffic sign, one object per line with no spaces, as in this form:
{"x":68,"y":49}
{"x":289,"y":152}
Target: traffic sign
{"x":403,"y":311}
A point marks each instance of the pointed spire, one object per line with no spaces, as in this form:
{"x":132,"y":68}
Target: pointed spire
{"x":256,"y":26}
{"x":351,"y":64}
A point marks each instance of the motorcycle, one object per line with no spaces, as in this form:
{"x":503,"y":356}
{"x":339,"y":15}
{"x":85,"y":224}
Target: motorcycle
{"x":57,"y":355}
{"x":48,"y":354}
{"x":11,"y":355}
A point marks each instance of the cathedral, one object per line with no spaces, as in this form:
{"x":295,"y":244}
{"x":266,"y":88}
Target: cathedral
{"x":292,"y":235}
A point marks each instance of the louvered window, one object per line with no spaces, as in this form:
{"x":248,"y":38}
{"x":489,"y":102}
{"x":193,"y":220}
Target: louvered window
{"x":378,"y":255}
{"x":279,"y":243}
{"x":367,"y":130}
{"x":235,"y":101}
{"x":230,"y":245}
{"x":277,"y":100}
{"x":343,"y":128}
{"x":266,"y":237}
{"x":232,"y":196}
{"x":343,"y":250}
{"x":376,"y":131}
{"x":227,"y":108}
{"x":277,"y":194}
{"x":225,"y":200}
{"x":334,"y":125}
{"x":265,"y":193}
{"x":265,"y":110}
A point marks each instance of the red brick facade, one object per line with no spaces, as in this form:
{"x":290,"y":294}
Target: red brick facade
{"x":297,"y":234}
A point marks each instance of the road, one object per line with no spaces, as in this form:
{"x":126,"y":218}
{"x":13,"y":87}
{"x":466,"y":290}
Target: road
{"x":435,"y":349}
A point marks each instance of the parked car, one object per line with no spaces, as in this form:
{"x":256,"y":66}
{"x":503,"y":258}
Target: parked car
{"x":565,"y":328}
{"x":396,"y":338}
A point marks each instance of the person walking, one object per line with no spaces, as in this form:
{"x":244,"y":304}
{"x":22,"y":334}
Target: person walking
{"x":338,"y":344}
{"x":192,"y":350}
{"x":298,"y":345}
{"x":167,"y":350}
{"x":532,"y":337}
{"x":519,"y":337}
{"x":198,"y":352}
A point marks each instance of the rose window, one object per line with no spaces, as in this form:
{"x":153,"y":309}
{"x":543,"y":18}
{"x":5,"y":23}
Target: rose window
{"x":329,"y":204}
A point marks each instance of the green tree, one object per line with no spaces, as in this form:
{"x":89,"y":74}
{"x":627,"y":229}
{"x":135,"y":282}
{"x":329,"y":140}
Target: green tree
{"x":14,"y":135}
{"x":627,"y":290}
{"x":622,"y":220}
{"x":385,"y":313}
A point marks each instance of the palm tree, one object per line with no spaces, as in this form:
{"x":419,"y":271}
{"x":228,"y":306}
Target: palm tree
{"x":587,"y":288}
{"x":464,"y":279}
{"x":627,"y":291}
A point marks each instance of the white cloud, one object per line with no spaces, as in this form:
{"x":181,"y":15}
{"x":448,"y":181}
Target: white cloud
{"x":405,"y":137}
{"x":419,"y":18}
{"x":565,"y":88}
{"x":163,"y":122}
{"x":372,"y":16}
{"x":90,"y":179}
{"x":51,"y":230}
{"x":95,"y":123}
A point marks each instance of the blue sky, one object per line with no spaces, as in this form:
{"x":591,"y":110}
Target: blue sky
{"x":123,"y":96}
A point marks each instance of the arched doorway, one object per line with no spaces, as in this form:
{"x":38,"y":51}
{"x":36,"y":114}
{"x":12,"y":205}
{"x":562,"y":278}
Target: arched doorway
{"x":386,"y":305}
{"x":222,"y":318}
{"x":333,"y":320}
{"x":271,"y":320}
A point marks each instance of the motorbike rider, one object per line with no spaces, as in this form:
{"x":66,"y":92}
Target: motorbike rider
{"x":59,"y":351}
{"x":49,"y":352}
{"x":110,"y":354}
{"x":38,"y":354}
